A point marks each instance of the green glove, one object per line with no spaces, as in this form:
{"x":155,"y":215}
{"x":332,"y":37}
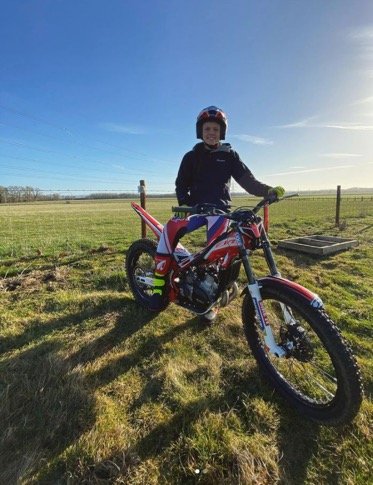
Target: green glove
{"x":279,"y":191}
{"x":182,"y":215}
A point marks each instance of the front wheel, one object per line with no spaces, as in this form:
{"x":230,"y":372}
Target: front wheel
{"x":319,"y":375}
{"x":140,"y":270}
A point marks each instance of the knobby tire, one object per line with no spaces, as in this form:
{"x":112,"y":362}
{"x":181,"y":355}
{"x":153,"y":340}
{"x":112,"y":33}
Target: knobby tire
{"x":140,"y":261}
{"x":322,"y":383}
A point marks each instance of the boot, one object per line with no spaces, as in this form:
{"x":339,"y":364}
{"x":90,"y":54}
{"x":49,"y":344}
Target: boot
{"x":210,"y":317}
{"x":158,"y":300}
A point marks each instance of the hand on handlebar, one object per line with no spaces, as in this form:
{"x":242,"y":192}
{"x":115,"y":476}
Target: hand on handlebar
{"x":277,"y":191}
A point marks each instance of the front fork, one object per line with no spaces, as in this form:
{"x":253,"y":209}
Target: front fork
{"x":254,"y":290}
{"x":289,"y":319}
{"x":265,"y":325}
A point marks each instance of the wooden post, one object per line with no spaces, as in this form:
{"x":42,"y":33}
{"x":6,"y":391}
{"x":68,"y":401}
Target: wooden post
{"x":143,"y":205}
{"x":338,"y":205}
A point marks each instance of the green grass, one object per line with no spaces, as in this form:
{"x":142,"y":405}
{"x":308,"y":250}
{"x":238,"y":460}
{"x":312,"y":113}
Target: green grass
{"x":96,"y":390}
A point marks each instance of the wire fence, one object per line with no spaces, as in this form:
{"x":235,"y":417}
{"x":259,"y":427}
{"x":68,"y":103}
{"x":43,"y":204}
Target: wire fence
{"x":316,"y":207}
{"x":66,"y":226}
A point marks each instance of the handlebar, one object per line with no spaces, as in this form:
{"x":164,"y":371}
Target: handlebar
{"x":216,"y":209}
{"x":205,"y":208}
{"x":270,"y":199}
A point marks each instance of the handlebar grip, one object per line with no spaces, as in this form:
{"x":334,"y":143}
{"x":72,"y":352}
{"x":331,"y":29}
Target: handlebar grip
{"x":183,"y":209}
{"x":203,"y":208}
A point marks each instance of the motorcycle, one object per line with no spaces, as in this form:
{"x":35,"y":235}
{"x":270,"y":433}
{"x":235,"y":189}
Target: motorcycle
{"x":296,"y":344}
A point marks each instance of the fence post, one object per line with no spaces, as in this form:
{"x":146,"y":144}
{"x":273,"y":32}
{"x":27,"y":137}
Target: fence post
{"x":338,"y":205}
{"x":143,"y":205}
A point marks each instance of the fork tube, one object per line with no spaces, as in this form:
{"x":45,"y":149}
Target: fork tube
{"x":244,"y":255}
{"x":289,"y":319}
{"x":268,"y":253}
{"x":254,"y":291}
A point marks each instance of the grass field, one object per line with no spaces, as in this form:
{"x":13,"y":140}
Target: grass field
{"x":95,"y":390}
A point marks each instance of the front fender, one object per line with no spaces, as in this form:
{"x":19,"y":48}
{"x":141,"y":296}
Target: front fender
{"x":278,"y":282}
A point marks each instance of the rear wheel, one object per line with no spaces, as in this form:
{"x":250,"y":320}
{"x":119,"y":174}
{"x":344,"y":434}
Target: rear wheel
{"x":140,"y":270}
{"x":319,"y":375}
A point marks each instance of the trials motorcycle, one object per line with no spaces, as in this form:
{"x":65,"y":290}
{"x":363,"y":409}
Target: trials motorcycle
{"x":296,"y":344}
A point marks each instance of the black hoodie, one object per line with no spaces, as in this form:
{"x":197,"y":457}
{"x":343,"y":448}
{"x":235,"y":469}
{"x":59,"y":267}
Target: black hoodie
{"x":204,"y":176}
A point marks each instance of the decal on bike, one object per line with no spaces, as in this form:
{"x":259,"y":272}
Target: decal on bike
{"x":317,"y":303}
{"x":182,"y":256}
{"x":216,"y":226}
{"x":228,"y":242}
{"x":219,"y":247}
{"x":183,"y":263}
{"x":263,"y":318}
{"x":161,"y":265}
{"x":252,"y":232}
{"x":238,"y":237}
{"x":263,"y":313}
{"x":181,"y":252}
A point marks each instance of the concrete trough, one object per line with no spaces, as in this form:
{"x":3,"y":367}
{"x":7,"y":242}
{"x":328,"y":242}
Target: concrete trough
{"x":318,"y":244}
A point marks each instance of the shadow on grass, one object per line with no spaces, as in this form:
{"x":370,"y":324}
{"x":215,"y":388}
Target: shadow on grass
{"x":152,"y":346}
{"x":250,"y":384}
{"x":300,"y":438}
{"x":304,"y":260}
{"x":298,"y":444}
{"x":122,"y":330}
{"x":238,"y":383}
{"x":295,"y":446}
{"x":365,"y":229}
{"x":36,"y":330}
{"x":44,"y":408}
{"x":46,"y":401}
{"x":41,"y":263}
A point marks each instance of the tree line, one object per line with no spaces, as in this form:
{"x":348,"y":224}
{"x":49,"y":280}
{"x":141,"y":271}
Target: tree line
{"x":19,"y":193}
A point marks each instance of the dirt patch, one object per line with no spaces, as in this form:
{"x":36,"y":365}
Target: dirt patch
{"x":35,"y":281}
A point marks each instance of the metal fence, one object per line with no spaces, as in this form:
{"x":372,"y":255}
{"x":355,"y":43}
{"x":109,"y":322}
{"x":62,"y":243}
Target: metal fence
{"x":52,"y":227}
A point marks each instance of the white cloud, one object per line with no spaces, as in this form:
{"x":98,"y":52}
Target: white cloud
{"x":123,"y":128}
{"x":341,"y":155}
{"x":348,"y":126}
{"x":364,"y":100}
{"x":311,"y":170}
{"x":306,"y":123}
{"x":256,"y":140}
{"x":364,"y":38}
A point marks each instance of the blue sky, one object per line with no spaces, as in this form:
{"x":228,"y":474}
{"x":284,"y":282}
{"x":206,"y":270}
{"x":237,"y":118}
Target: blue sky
{"x":96,"y":95}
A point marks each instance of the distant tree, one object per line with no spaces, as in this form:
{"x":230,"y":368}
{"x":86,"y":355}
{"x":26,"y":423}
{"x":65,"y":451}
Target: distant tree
{"x":14,"y":193}
{"x":3,"y":194}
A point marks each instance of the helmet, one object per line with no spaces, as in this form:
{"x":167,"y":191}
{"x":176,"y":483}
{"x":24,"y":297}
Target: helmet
{"x":212,"y":113}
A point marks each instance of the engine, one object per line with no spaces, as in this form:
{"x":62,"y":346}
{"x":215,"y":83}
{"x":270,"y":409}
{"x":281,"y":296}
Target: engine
{"x":200,"y":286}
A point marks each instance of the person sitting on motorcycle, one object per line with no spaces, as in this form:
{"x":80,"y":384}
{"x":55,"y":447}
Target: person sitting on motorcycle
{"x":204,"y":177}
